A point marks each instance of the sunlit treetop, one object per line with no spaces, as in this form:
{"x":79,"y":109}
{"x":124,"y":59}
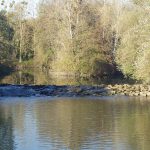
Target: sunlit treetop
{"x":6,"y":4}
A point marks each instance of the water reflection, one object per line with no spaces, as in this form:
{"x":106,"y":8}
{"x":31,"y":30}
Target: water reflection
{"x":37,"y":76}
{"x":6,"y":130}
{"x":75,"y":124}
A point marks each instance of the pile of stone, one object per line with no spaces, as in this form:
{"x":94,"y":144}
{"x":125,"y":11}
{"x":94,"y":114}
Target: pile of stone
{"x":129,"y":90}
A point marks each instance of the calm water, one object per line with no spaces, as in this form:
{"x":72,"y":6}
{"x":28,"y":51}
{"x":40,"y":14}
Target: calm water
{"x":74,"y":124}
{"x":40,"y":77}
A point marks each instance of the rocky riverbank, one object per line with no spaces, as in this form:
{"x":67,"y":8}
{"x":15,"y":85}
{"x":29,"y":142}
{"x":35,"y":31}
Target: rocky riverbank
{"x":73,"y":91}
{"x":130,"y":90}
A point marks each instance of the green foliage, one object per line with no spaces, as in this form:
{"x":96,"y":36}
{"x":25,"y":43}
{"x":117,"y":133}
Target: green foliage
{"x":74,"y":35}
{"x":133,"y":54}
{"x":5,"y":29}
{"x":80,"y":37}
{"x":6,"y":36}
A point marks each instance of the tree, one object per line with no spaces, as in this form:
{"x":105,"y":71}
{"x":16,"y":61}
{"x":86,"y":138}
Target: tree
{"x":73,"y":34}
{"x":6,"y":36}
{"x":133,"y":53}
{"x":19,"y":23}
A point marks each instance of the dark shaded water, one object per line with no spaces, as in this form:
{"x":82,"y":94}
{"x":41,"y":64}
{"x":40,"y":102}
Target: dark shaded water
{"x":74,"y":124}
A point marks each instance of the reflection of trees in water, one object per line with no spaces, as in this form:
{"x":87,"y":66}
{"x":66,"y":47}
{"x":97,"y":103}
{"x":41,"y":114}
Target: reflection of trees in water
{"x":44,"y":78}
{"x":19,"y":117}
{"x":134,"y":123}
{"x":73,"y":123}
{"x":39,"y":77}
{"x":12,"y":118}
{"x":6,"y":131}
{"x":19,"y":78}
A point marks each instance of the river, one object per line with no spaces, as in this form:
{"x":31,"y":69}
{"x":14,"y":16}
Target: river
{"x":114,"y":123}
{"x":52,"y":123}
{"x":39,"y":77}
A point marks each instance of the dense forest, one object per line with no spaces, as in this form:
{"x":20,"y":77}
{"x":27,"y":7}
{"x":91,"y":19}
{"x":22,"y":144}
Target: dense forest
{"x":83,"y":37}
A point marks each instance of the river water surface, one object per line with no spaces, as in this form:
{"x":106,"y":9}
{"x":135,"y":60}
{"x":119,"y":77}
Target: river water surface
{"x":116,"y":123}
{"x":38,"y":77}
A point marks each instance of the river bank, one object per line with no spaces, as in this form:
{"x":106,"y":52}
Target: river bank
{"x":7,"y":90}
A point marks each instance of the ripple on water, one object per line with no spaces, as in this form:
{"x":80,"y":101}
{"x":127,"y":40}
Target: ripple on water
{"x":74,"y":124}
